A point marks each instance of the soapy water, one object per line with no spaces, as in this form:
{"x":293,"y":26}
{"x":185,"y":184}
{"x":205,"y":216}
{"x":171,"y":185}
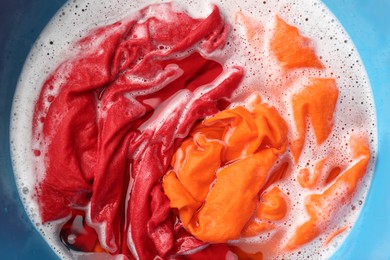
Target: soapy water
{"x":354,"y":113}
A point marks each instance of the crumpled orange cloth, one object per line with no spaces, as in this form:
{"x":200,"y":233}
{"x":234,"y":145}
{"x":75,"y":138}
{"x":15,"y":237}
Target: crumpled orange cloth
{"x":219,"y":170}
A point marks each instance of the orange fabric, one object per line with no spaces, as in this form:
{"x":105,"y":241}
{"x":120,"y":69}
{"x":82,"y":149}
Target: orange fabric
{"x":98,"y":248}
{"x":218,"y":172}
{"x":256,"y":227}
{"x":273,"y":206}
{"x":334,"y":234}
{"x":242,"y":255}
{"x":307,"y":180}
{"x":322,"y":207}
{"x":254,"y":30}
{"x":333,"y":173}
{"x":291,"y":49}
{"x":278,"y":174}
{"x":232,"y":199}
{"x":318,"y":102}
{"x":324,"y":172}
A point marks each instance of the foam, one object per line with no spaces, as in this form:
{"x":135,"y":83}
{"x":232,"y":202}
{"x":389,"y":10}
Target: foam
{"x":314,"y":20}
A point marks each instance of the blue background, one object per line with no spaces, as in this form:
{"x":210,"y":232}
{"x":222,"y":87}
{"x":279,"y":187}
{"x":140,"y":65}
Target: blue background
{"x":368,"y":24}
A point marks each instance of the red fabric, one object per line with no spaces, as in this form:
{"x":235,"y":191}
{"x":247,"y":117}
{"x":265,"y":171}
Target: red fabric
{"x":98,"y":120}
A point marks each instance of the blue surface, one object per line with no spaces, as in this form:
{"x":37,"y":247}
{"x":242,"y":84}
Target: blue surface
{"x":21,"y":21}
{"x":368,"y":24}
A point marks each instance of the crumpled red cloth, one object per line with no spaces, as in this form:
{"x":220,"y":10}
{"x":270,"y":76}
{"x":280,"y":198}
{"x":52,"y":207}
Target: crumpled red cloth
{"x":109,"y":118}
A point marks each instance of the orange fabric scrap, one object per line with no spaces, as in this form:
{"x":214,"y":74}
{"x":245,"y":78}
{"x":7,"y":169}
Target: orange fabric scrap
{"x":307,"y":180}
{"x":218,"y":172}
{"x":317,"y":101}
{"x":254,"y":30}
{"x":273,"y":207}
{"x":334,"y":234}
{"x":291,"y":49}
{"x":242,"y":255}
{"x":321,"y":208}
